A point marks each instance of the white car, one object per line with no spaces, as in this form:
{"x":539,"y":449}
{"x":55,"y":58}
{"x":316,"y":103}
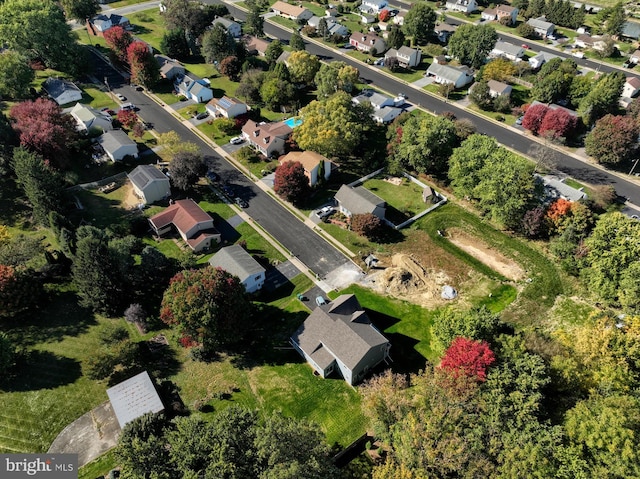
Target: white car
{"x":236,"y":140}
{"x":326,"y":211}
{"x":121,"y":97}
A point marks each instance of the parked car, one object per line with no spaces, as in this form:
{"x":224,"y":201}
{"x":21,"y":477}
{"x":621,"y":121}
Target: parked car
{"x":519,"y":120}
{"x":320,"y":300}
{"x":202,"y":116}
{"x":525,"y":46}
{"x":240,"y":202}
{"x":379,"y":62}
{"x":107,"y":111}
{"x":323,"y":212}
{"x":121,"y":97}
{"x":128,"y":107}
{"x":212,"y":176}
{"x":236,"y":140}
{"x":229,"y":190}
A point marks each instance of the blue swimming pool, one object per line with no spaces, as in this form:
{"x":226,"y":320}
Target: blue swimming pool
{"x":293,"y":122}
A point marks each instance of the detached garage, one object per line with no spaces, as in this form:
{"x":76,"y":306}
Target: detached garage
{"x":149,"y":183}
{"x":117,"y":144}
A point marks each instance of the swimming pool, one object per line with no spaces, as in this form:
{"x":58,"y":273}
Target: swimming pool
{"x":293,"y":122}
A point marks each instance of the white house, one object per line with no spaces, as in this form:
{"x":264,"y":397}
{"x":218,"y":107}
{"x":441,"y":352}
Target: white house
{"x":87,"y":118}
{"x":386,"y":114}
{"x":149,"y":183}
{"x":507,"y":50}
{"x":117,"y":144}
{"x":464,"y":6}
{"x":407,"y":57}
{"x":359,"y":200}
{"x":489,"y":14}
{"x":233,"y":28}
{"x":399,"y":18}
{"x":540,"y":59}
{"x":631,"y":87}
{"x":62,"y":91}
{"x":292,"y":12}
{"x":227,"y":107}
{"x":195,"y":89}
{"x":498,"y":88}
{"x":635,"y":57}
{"x":105,"y":21}
{"x":541,"y":26}
{"x":267,"y":138}
{"x":314,"y":164}
{"x":457,"y":76}
{"x":373,"y":6}
{"x":236,"y":260}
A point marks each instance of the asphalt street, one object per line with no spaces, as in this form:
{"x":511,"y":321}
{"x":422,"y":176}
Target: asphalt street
{"x":321,"y":257}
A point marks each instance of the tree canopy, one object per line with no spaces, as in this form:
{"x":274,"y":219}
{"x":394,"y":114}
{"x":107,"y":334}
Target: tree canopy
{"x":613,"y":139}
{"x":335,"y":76}
{"x":303,"y":67}
{"x":80,"y":10}
{"x":419,"y":22}
{"x":15,"y":75}
{"x":291,"y":183}
{"x":472,"y":43}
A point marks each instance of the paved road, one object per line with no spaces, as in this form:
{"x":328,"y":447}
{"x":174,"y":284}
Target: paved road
{"x":321,"y":257}
{"x":578,"y":169}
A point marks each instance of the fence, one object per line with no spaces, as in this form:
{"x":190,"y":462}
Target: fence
{"x":95,"y":184}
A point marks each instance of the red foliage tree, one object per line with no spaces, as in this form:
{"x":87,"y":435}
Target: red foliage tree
{"x":533,"y":118}
{"x":230,"y":67}
{"x":384,"y":15}
{"x":468,"y":357}
{"x":368,"y":225}
{"x":558,"y":212}
{"x":558,"y":123}
{"x":118,"y":41}
{"x":43,"y":129}
{"x":613,"y":139}
{"x":144,"y":67}
{"x":18,"y":291}
{"x":291,"y":183}
{"x":127,"y":118}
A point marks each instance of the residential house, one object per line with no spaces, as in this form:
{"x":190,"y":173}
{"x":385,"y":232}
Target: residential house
{"x":507,"y":11}
{"x":284,"y":57}
{"x":194,"y":88}
{"x":540,"y":59}
{"x":331,"y":12}
{"x":227,"y":107}
{"x":359,"y":200}
{"x":464,"y":6}
{"x":256,"y":46}
{"x":373,"y":6}
{"x":117,"y":144}
{"x":443,"y":31}
{"x":236,"y":260}
{"x":101,"y":23}
{"x":399,"y":18}
{"x":339,"y":337}
{"x":635,"y":57}
{"x":631,"y":87}
{"x":315,"y":165}
{"x":631,"y":30}
{"x":507,"y":50}
{"x":268,"y":138}
{"x":457,"y":76}
{"x":293,"y":12}
{"x":367,"y":18}
{"x":149,"y":183}
{"x":88,"y":118}
{"x":556,"y":188}
{"x":231,"y":27}
{"x":584,"y":41}
{"x":377,"y":100}
{"x":337,"y":29}
{"x":366,"y":42}
{"x":541,"y":26}
{"x":62,"y":91}
{"x":169,"y":69}
{"x":193,"y":224}
{"x":386,"y":114}
{"x":498,"y":88}
{"x":407,"y":57}
{"x":553,"y":106}
{"x":489,"y":14}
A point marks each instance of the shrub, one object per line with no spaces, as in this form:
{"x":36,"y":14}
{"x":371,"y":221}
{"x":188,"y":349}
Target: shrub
{"x":367,"y":225}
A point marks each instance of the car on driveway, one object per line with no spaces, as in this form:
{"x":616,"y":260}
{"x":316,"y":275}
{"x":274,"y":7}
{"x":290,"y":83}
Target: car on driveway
{"x":236,"y":140}
{"x":519,"y":120}
{"x":320,"y":300}
{"x":240,"y":202}
{"x":121,"y":97}
{"x":202,"y":116}
{"x":323,"y":212}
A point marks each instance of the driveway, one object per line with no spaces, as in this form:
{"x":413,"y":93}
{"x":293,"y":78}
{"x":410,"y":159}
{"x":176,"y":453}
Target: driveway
{"x":279,"y":275}
{"x":423,"y":82}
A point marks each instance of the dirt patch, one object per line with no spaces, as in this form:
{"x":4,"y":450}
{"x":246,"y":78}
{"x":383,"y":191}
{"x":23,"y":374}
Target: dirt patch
{"x":486,"y":254}
{"x":130,"y":199}
{"x":394,"y":180}
{"x":406,"y":279}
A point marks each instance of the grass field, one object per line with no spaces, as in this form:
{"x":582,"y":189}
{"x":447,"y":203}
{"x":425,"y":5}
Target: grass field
{"x":405,"y":197}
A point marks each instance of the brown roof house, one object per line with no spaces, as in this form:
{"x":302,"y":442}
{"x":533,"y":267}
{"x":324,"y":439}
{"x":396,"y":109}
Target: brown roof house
{"x":193,"y":224}
{"x":293,"y":12}
{"x":339,"y":337}
{"x":169,"y":68}
{"x":315,"y":165}
{"x":359,"y":200}
{"x":365,"y":42}
{"x":267,"y":138}
{"x":255,"y":45}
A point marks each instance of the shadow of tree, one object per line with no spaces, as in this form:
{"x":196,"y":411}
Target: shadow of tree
{"x":42,"y":370}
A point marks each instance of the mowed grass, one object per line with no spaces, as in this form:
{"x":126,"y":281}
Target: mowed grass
{"x":405,"y":197}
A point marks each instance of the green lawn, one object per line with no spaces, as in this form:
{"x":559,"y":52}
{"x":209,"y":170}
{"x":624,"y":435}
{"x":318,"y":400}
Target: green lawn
{"x":405,"y":198}
{"x":148,"y":26}
{"x":257,"y":245}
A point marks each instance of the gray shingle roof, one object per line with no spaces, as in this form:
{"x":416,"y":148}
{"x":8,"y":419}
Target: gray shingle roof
{"x":447,"y":72}
{"x":358,"y":200}
{"x":112,"y":140}
{"x":340,"y":330}
{"x":508,"y":48}
{"x":236,"y":261}
{"x":142,"y":175}
{"x":56,"y":86}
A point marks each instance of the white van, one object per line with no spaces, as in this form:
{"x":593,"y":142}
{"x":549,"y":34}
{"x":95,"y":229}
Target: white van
{"x":128,"y":107}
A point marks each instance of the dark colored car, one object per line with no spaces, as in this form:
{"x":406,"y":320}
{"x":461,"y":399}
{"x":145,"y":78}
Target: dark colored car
{"x":240,"y":202}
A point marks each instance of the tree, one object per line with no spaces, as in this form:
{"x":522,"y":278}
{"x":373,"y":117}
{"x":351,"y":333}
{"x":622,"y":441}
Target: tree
{"x":613,"y":139}
{"x":174,"y":44}
{"x":186,"y":168}
{"x":554,"y":80}
{"x":208,"y":305}
{"x":19,"y":292}
{"x":116,"y":353}
{"x":468,"y":357}
{"x":471,"y":44}
{"x":303,"y":67}
{"x":127,"y":118}
{"x":40,"y":183}
{"x":38,"y":30}
{"x":15,"y":75}
{"x":217,"y":43}
{"x":172,"y":145}
{"x":80,"y":10}
{"x":276,"y":93}
{"x":323,"y":29}
{"x":384,"y":15}
{"x":335,"y":76}
{"x":419,"y":22}
{"x":273,"y":52}
{"x":367,"y":225}
{"x":534,"y":117}
{"x":118,"y":40}
{"x":230,"y":67}
{"x":526,"y":31}
{"x":383,"y":403}
{"x":533,"y":222}
{"x":255,"y":22}
{"x":43,"y":129}
{"x":192,"y":18}
{"x":481,"y":95}
{"x":141,"y":448}
{"x":477,"y":323}
{"x":499,"y":69}
{"x":296,"y":42}
{"x":332,"y":126}
{"x":616,"y":18}
{"x":291,"y":182}
{"x":468,"y":160}
{"x":603,"y":98}
{"x":396,"y":37}
{"x":144,"y":67}
{"x":558,"y":124}
{"x":7,"y":354}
